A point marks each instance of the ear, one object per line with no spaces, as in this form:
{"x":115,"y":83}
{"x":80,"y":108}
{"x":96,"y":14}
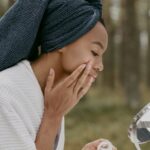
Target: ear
{"x":62,"y":50}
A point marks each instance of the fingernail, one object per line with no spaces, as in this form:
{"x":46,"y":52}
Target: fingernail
{"x":88,"y":66}
{"x":50,"y":71}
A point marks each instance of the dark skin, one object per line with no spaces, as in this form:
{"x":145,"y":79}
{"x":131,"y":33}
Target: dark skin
{"x":69,"y":71}
{"x":64,"y":61}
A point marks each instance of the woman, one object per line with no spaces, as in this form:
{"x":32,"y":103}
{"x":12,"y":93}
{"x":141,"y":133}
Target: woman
{"x":35,"y":95}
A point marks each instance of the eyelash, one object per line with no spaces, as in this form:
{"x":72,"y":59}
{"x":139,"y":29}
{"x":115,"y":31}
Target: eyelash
{"x":94,"y":53}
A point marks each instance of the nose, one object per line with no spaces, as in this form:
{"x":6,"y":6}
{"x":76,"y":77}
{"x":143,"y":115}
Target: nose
{"x":99,"y":66}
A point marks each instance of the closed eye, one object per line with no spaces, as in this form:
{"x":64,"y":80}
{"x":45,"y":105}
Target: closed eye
{"x":94,"y":53}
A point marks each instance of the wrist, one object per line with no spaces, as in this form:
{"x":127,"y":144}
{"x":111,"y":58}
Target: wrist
{"x":48,"y":131}
{"x":52,"y":117}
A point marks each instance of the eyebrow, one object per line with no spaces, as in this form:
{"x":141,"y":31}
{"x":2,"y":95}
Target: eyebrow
{"x":99,"y":44}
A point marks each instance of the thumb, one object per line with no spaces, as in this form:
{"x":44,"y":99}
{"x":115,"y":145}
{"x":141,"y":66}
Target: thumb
{"x":50,"y":80}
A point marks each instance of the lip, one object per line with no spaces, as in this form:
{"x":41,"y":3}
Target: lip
{"x":93,"y":76}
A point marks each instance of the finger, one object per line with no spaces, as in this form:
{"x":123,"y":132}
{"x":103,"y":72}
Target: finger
{"x":83,"y":91}
{"x":50,"y":80}
{"x":73,"y":77}
{"x":73,"y":86}
{"x":82,"y":79}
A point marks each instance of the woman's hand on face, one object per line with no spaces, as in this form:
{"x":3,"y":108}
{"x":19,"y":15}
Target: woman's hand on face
{"x":60,"y":99}
{"x":94,"y":145}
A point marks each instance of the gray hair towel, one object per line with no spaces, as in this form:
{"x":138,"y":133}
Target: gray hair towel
{"x":51,"y":24}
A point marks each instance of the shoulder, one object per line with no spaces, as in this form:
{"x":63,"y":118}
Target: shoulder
{"x":6,"y":93}
{"x":8,"y":83}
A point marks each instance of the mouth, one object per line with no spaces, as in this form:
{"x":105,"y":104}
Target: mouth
{"x":93,"y":76}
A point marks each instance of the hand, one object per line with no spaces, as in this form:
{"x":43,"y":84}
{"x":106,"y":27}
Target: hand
{"x":59,"y":100}
{"x":94,"y":145}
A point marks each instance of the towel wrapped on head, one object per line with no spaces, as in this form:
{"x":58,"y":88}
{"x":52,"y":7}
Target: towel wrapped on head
{"x":51,"y":24}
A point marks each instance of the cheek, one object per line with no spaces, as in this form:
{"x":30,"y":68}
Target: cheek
{"x":72,"y":60}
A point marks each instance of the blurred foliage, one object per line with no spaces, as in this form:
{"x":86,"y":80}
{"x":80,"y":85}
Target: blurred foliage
{"x":102,"y":115}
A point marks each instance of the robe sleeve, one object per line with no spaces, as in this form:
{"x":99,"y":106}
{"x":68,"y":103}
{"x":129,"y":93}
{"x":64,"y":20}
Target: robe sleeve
{"x":13,"y":133}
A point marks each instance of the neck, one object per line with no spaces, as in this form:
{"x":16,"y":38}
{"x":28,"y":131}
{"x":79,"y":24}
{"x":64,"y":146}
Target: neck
{"x":42,"y":65}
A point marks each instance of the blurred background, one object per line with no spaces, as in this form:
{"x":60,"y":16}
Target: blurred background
{"x":123,"y":88}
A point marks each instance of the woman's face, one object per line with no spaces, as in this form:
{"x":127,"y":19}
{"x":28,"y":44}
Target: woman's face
{"x":89,"y":47}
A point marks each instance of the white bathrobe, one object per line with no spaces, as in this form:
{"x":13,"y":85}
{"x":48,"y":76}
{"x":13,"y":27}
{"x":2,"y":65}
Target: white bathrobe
{"x":21,"y":109}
